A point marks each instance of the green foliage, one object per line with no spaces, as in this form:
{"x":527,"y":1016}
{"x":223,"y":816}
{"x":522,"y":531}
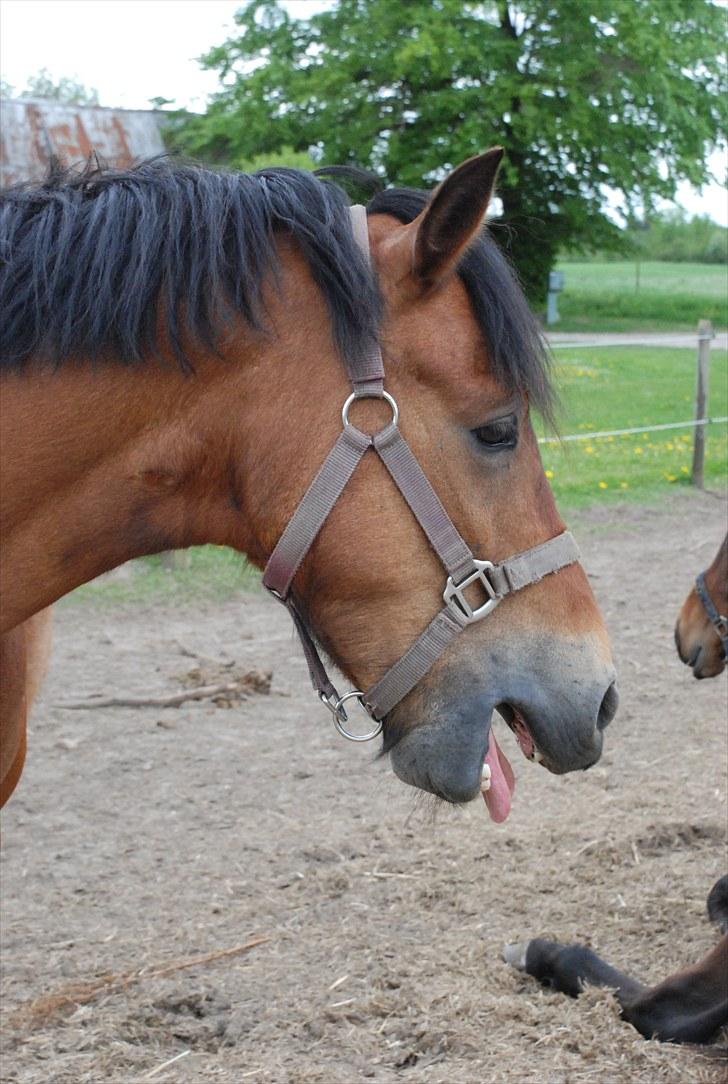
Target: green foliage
{"x":642,"y":295}
{"x":612,"y":387}
{"x":582,"y":95}
{"x":674,"y":236}
{"x":671,"y":236}
{"x":64,"y":89}
{"x":159,"y":102}
{"x":286,"y":156}
{"x":213,"y":572}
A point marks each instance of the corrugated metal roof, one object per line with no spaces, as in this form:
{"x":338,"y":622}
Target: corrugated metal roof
{"x":31,"y":130}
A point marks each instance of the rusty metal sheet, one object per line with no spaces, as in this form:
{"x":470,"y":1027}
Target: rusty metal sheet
{"x":31,"y":130}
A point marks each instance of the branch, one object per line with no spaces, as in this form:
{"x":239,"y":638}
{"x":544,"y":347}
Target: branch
{"x":506,"y":22}
{"x":254,"y":681}
{"x":80,"y":993}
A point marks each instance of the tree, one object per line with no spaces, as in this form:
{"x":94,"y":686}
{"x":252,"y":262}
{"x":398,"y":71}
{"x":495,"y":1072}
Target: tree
{"x":65,"y":89}
{"x":585,"y":97}
{"x":671,"y":235}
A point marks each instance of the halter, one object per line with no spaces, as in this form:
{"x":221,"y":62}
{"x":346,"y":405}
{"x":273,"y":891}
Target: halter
{"x":719,"y":622}
{"x":463,"y":570}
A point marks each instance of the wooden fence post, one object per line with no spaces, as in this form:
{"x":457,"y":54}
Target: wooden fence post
{"x":705,"y":334}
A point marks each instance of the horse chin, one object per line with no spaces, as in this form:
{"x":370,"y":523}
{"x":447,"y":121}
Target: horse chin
{"x":444,"y":743}
{"x":454,"y":758}
{"x":705,"y":656}
{"x":444,"y":756}
{"x":457,"y":766}
{"x":708,"y":664}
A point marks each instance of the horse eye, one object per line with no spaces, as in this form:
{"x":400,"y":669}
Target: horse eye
{"x":495,"y":436}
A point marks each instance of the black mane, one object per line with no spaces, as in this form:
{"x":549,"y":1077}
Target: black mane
{"x":87,"y":257}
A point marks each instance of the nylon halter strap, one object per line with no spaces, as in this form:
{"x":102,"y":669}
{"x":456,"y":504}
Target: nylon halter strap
{"x":463,"y":570}
{"x":719,"y":622}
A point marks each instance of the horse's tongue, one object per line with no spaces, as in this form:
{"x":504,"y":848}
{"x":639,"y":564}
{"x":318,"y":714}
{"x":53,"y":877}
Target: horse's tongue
{"x":502,"y":783}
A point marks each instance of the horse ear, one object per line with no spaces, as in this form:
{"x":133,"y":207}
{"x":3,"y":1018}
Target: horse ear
{"x":453,"y":216}
{"x":429,"y":248}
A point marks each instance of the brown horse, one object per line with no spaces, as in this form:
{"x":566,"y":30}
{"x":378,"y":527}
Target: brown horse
{"x":701,"y":632}
{"x":690,"y":1005}
{"x":172,"y":375}
{"x":687,"y":1007}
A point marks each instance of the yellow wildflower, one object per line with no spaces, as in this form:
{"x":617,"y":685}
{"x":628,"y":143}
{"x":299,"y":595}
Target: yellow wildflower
{"x":549,"y":474}
{"x":603,"y":485}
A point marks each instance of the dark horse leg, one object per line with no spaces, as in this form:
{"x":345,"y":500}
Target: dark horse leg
{"x":687,"y":1007}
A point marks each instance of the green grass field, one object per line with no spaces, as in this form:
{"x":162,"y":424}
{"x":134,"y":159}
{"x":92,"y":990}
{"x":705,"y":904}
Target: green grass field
{"x":601,"y":388}
{"x":214,"y":573}
{"x":607,"y":296}
{"x":619,"y":388}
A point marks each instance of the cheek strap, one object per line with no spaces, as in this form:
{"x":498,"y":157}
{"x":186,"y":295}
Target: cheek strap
{"x":719,"y":622}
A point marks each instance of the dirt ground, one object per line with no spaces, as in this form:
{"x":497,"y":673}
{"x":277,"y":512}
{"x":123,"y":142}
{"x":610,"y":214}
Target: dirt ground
{"x":141,"y":838}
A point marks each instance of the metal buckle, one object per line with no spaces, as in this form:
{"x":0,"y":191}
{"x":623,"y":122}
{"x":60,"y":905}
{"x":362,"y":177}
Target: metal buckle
{"x":336,"y":707}
{"x":456,"y":601}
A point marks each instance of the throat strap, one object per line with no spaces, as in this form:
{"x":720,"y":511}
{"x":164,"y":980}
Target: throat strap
{"x":490,"y":582}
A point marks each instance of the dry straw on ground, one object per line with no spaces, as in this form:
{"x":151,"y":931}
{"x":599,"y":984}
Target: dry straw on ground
{"x":129,"y":843}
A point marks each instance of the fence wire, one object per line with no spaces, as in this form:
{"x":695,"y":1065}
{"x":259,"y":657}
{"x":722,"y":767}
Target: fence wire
{"x":635,"y":429}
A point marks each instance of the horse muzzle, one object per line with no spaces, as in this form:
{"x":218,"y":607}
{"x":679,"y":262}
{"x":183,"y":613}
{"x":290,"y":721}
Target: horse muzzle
{"x":557,"y":706}
{"x":704,"y":656}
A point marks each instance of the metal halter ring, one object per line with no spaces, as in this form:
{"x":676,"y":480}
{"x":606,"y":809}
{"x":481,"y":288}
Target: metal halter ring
{"x":383,"y":395}
{"x":340,"y":717}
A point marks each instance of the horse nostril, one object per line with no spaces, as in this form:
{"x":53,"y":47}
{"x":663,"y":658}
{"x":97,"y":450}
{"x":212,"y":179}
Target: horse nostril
{"x":609,"y":707}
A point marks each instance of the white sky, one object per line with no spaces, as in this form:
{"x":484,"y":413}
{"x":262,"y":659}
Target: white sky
{"x":133,"y":50}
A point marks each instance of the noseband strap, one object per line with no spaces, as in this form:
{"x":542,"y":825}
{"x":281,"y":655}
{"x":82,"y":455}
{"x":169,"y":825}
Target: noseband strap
{"x":719,"y":622}
{"x":492,"y":581}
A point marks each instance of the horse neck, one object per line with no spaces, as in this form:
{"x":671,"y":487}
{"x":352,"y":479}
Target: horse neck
{"x":105,"y":463}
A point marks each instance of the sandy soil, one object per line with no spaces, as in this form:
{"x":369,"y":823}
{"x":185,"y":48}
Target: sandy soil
{"x":140,"y":838}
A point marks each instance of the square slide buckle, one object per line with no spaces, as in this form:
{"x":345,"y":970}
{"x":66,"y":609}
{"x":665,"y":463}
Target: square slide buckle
{"x":455,"y":600}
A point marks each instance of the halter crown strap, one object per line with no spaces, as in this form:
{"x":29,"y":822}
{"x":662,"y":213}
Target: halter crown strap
{"x":494,"y":581}
{"x":366,"y":371}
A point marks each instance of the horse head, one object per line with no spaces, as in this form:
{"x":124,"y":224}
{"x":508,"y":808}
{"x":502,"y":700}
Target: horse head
{"x":464,"y":362}
{"x":701,"y":632}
